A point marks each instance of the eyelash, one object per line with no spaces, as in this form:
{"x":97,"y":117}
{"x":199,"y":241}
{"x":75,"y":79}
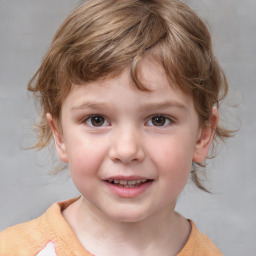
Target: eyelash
{"x":88,"y":120}
{"x":167,"y":121}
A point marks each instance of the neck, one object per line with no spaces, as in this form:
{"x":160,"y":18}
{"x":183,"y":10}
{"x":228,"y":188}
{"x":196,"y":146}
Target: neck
{"x":163,"y":233}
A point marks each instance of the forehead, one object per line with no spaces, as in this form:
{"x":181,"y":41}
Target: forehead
{"x":152,"y":75}
{"x":121,"y":89}
{"x":146,"y":76}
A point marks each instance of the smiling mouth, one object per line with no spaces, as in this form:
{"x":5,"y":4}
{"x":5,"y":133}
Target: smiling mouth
{"x":128,"y":183}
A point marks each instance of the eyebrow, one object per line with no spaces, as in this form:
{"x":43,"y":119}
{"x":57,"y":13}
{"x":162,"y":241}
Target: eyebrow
{"x":146,"y":107}
{"x":163,"y":105}
{"x":90,"y":105}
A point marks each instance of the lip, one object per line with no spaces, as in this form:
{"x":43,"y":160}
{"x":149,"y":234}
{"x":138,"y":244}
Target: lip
{"x":120,"y":177}
{"x":128,"y":192}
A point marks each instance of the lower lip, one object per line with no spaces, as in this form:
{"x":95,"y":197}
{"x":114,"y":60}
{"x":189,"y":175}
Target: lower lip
{"x":129,"y":192}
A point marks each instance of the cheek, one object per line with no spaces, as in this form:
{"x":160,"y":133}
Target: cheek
{"x":84,"y":166}
{"x":173,"y":159}
{"x":176,"y":169}
{"x":85,"y":157}
{"x":175,"y":174}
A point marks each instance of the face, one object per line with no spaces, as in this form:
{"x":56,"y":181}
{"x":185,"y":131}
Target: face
{"x":130,"y":152}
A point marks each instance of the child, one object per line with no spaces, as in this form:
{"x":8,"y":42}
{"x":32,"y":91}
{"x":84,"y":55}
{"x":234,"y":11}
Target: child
{"x":129,"y":91}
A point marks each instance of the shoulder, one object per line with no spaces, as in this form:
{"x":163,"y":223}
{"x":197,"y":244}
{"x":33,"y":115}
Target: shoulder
{"x":41,"y":236}
{"x":30,"y":237}
{"x":23,"y":239}
{"x":199,"y":244}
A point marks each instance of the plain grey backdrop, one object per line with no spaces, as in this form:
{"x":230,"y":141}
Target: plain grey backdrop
{"x":26,"y":190}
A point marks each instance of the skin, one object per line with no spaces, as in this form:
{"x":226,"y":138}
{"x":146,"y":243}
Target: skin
{"x":135,"y":135}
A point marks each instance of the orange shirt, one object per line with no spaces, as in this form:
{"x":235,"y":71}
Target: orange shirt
{"x":50,"y":235}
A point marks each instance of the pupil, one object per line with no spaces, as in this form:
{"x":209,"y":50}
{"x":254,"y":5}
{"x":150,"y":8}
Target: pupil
{"x":158,"y":120}
{"x":97,"y":120}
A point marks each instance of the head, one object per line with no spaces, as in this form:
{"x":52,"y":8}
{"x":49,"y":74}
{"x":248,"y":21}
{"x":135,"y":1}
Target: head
{"x":101,"y":39}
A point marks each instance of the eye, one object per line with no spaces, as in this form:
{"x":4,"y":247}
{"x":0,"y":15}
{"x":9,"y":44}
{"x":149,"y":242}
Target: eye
{"x":97,"y":121}
{"x":159,"y":120}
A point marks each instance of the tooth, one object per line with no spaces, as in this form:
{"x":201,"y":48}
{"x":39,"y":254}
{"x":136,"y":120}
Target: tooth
{"x":132,"y":182}
{"x":116,"y":181}
{"x":123,"y":182}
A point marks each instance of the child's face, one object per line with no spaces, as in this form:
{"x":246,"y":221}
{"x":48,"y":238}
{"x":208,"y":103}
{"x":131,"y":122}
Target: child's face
{"x":114,"y":134}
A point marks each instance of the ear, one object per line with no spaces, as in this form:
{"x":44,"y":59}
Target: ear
{"x":205,"y":137}
{"x":58,"y":138}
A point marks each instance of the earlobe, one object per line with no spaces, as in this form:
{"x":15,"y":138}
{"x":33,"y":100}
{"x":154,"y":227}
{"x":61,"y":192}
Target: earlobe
{"x":205,"y":137}
{"x":58,"y":138}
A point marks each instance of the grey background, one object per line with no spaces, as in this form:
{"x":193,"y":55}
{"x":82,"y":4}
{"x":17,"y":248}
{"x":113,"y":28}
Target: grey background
{"x":26,"y":190}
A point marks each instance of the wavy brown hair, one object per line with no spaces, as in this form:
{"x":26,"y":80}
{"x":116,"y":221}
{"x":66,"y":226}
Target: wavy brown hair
{"x":102,"y":37}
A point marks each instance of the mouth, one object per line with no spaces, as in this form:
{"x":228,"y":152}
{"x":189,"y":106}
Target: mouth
{"x":128,"y":187}
{"x":127,"y":183}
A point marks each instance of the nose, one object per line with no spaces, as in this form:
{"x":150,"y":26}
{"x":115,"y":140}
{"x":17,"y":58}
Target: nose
{"x":127,"y":146}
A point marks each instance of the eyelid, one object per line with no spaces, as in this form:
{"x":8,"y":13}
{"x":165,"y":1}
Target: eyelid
{"x":85,"y":120}
{"x":170,"y":120}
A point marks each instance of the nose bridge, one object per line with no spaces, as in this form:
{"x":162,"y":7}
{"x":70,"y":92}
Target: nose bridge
{"x":127,"y":144}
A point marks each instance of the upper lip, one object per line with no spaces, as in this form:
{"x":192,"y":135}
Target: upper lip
{"x":127,"y":178}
